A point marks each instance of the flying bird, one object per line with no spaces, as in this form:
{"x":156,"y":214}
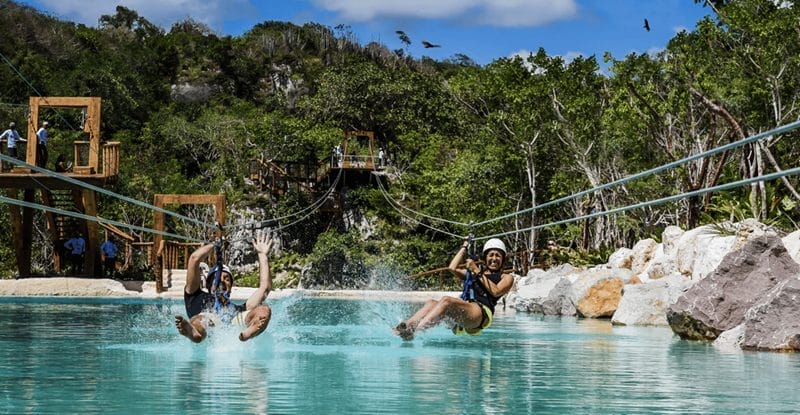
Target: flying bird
{"x":403,"y":37}
{"x":429,"y":45}
{"x":646,"y":25}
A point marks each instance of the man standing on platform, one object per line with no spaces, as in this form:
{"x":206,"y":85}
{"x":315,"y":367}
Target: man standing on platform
{"x":41,"y":147}
{"x":12,"y":136}
{"x":108,"y":250}
{"x":76,"y":247}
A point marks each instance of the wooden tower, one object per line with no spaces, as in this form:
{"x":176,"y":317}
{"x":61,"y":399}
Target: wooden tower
{"x":99,"y":167}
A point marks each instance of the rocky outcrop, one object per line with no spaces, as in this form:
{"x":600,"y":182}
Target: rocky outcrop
{"x":719,"y":302}
{"x":774,"y":322}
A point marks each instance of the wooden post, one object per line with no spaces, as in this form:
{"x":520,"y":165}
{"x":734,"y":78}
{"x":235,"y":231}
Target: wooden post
{"x":91,"y":259}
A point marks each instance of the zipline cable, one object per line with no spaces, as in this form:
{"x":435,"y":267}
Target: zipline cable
{"x":726,"y":186}
{"x":101,"y":190}
{"x":391,"y":203}
{"x":317,"y":203}
{"x":97,"y":219}
{"x":779,"y":130}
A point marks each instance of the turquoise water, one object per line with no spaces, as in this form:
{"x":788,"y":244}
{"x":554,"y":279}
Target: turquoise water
{"x":339,"y":357}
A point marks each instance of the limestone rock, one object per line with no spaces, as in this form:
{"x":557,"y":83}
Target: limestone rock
{"x":670,"y":238}
{"x":558,"y":302}
{"x":719,"y":302}
{"x":532,"y":290}
{"x":730,"y":340}
{"x":597,"y":291}
{"x":646,"y":304}
{"x":621,"y":258}
{"x":643,"y":253}
{"x":774,"y":323}
{"x":699,"y":251}
{"x":792,"y":244}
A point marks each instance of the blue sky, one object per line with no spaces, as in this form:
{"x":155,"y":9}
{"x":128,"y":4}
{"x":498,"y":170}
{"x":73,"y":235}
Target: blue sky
{"x":481,"y":29}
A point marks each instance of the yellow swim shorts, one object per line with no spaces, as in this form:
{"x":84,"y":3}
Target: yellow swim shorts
{"x":486,"y":321}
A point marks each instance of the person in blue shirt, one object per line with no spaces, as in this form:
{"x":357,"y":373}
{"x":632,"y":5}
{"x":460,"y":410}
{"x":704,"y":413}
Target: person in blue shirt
{"x":206,"y":309}
{"x":12,"y":137}
{"x":76,"y":247}
{"x":108,"y":252}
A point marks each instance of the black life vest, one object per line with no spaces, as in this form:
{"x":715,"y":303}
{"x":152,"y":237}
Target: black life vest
{"x":475,"y":291}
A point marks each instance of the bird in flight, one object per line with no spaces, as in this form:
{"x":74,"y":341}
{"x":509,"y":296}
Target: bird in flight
{"x":403,"y":37}
{"x":429,"y":44}
{"x":646,"y":25}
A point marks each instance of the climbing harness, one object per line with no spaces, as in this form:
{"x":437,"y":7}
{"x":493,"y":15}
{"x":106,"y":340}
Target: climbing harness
{"x":467,"y":292}
{"x":226,"y":310}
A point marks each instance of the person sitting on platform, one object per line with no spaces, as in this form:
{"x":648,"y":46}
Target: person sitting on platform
{"x":205,"y":309}
{"x":474,"y":311}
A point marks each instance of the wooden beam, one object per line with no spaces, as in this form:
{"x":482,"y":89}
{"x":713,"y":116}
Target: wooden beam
{"x":91,"y":258}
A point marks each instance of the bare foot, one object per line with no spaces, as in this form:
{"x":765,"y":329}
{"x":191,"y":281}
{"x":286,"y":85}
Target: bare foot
{"x":405,"y":331}
{"x":186,"y":329}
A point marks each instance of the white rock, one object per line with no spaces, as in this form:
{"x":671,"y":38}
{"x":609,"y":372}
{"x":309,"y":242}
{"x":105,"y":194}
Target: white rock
{"x":646,"y":304}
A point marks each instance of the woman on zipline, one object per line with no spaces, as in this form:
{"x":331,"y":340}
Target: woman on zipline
{"x":208,"y":309}
{"x":474,"y":311}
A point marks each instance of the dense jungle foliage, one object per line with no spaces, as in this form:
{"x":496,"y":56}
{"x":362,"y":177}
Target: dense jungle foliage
{"x":193,"y":109}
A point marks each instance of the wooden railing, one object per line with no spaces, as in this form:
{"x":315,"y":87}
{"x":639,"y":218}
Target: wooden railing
{"x":111,"y":159}
{"x":171,"y":255}
{"x":85,"y":164}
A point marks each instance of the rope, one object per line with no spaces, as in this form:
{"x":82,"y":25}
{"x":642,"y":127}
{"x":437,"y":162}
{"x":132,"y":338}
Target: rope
{"x":726,"y":186}
{"x":101,"y":190}
{"x":736,"y":144}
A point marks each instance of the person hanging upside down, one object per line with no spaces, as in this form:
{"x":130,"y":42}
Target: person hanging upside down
{"x":205,"y":309}
{"x":474,"y":311}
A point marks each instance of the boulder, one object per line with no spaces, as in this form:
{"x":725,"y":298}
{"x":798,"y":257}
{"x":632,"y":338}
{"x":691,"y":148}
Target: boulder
{"x":532,"y":290}
{"x":699,"y":251}
{"x":662,"y":257}
{"x":719,"y":302}
{"x":643,"y":253}
{"x":730,"y":340}
{"x":621,"y":258}
{"x":792,"y":244}
{"x":646,"y":303}
{"x":597,"y":291}
{"x":669,"y":238}
{"x":558,"y":302}
{"x":774,"y":322}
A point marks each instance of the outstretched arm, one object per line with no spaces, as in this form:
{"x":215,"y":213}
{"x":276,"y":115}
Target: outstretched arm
{"x":193,"y":272}
{"x":262,"y":244}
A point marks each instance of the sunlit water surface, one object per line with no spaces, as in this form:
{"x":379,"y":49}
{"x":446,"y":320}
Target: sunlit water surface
{"x":339,"y":357}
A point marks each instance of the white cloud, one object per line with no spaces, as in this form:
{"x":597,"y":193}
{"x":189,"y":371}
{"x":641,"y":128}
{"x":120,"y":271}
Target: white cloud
{"x":161,"y":12}
{"x":505,"y":13}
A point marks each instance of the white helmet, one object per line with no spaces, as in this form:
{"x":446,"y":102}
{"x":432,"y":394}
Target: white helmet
{"x":494,"y":243}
